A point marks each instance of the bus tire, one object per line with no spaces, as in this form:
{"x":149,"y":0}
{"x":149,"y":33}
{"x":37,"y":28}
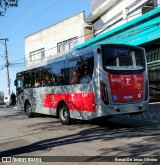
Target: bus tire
{"x":64,"y":115}
{"x":28,"y":109}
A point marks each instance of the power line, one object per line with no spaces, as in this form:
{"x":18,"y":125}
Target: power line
{"x":2,"y":56}
{"x":13,"y":21}
{"x":46,"y":35}
{"x":19,"y":60}
{"x":144,"y":28}
{"x":25,"y":61}
{"x":78,"y":38}
{"x":99,"y":28}
{"x":36,"y":17}
{"x":20,"y":15}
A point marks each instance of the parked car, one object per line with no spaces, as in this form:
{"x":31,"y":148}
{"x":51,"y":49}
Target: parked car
{"x":7,"y":100}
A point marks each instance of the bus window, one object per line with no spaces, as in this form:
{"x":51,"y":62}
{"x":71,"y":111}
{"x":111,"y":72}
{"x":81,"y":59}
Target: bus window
{"x":27,"y":78}
{"x":45,"y":75}
{"x":57,"y":76}
{"x":73,"y":72}
{"x":123,"y":58}
{"x":81,"y":69}
{"x":20,"y":83}
{"x":36,"y":77}
{"x":85,"y":69}
{"x":74,"y":77}
{"x":33,"y":78}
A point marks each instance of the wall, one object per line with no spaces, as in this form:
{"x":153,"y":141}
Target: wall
{"x":117,"y":13}
{"x":48,"y":38}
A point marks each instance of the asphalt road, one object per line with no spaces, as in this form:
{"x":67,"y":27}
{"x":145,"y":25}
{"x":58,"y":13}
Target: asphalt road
{"x":125,"y":135}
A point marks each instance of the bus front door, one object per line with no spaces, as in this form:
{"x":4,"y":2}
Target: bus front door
{"x":20,"y":94}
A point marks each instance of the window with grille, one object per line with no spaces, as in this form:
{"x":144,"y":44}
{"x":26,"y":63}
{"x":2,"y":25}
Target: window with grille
{"x":36,"y":55}
{"x":66,"y":45}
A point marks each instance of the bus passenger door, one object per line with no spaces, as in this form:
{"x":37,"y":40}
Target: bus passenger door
{"x":20,"y":93}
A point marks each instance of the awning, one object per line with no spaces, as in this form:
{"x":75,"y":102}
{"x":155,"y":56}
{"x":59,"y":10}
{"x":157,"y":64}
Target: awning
{"x":141,"y":30}
{"x":154,"y":65}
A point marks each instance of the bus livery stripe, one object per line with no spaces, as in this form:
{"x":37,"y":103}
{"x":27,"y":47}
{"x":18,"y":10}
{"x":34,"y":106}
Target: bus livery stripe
{"x":74,"y":101}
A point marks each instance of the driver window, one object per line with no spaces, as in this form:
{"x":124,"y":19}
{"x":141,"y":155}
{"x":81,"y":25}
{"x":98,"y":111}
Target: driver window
{"x":20,"y":84}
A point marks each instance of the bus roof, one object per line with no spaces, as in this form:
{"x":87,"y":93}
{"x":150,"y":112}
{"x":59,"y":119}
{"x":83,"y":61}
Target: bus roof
{"x":68,"y":55}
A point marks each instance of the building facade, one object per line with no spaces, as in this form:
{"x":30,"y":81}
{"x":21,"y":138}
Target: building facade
{"x":135,"y":22}
{"x":55,"y":40}
{"x":109,"y":14}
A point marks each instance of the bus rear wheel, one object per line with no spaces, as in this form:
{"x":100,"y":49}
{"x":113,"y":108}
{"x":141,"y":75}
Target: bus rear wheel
{"x":64,"y":115}
{"x":29,"y":110}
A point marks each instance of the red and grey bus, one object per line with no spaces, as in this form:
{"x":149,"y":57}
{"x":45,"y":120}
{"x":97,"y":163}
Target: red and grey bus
{"x":98,"y":81}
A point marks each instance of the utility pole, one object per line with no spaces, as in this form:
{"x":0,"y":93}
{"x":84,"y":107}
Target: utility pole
{"x":6,"y":65}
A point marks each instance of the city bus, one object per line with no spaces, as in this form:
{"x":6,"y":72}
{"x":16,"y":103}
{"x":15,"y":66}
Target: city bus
{"x":98,"y":81}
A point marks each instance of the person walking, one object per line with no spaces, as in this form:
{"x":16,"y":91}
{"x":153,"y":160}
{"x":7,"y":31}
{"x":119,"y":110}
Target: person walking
{"x":13,"y":98}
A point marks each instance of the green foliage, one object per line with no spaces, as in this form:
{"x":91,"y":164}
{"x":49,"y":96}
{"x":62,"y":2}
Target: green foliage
{"x":5,"y":4}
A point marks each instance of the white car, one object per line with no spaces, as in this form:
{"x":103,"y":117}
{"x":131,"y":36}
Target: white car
{"x":7,"y":100}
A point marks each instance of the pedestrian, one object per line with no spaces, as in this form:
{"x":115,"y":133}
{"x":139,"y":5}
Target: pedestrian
{"x":13,"y":98}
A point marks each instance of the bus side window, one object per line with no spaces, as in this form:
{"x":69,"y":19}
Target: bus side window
{"x":37,"y":82}
{"x":27,"y":82}
{"x":36,"y":77}
{"x":57,"y":76}
{"x":44,"y":76}
{"x":33,"y":79}
{"x":73,"y":72}
{"x":74,"y":77}
{"x":20,"y":83}
{"x":86,"y":69}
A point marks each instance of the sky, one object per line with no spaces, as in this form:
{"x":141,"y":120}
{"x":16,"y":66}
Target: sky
{"x":29,"y":17}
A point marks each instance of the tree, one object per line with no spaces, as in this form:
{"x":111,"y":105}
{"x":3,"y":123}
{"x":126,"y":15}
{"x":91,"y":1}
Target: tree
{"x":5,"y":4}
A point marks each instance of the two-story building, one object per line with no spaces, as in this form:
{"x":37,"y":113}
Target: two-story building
{"x":56,"y":39}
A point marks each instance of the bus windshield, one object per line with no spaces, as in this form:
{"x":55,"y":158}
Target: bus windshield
{"x":123,"y":58}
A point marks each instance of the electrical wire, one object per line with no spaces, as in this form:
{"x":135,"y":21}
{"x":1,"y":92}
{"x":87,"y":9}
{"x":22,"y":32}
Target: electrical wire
{"x":78,"y":38}
{"x":33,"y":18}
{"x":19,"y":16}
{"x":95,"y":30}
{"x":2,"y":57}
{"x":144,"y":28}
{"x":147,"y":27}
{"x":25,"y":26}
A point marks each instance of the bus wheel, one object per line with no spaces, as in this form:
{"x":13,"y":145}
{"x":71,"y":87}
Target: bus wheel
{"x":64,"y":115}
{"x":29,"y":110}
